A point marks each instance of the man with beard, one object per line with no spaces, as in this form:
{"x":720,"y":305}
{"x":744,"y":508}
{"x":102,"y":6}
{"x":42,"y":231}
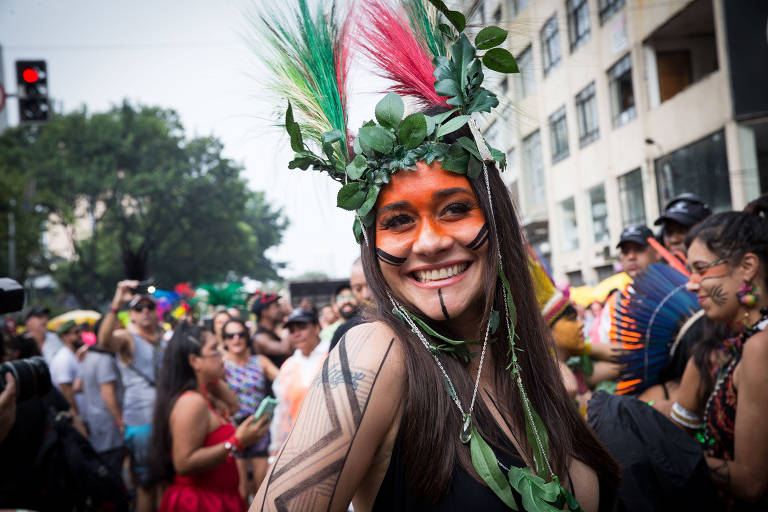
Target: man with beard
{"x":65,"y":368}
{"x":351,"y":300}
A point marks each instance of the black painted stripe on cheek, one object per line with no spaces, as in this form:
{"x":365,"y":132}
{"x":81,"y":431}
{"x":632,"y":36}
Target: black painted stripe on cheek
{"x":480,"y":244}
{"x":479,"y":238}
{"x":442,"y":304}
{"x":389,"y":259}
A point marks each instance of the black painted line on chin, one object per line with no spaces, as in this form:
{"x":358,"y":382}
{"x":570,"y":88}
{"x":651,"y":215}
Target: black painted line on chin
{"x":480,"y":238}
{"x":442,"y":304}
{"x":388,"y":258}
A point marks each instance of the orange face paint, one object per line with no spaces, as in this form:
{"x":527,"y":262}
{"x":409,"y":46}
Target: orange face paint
{"x":427,"y":202}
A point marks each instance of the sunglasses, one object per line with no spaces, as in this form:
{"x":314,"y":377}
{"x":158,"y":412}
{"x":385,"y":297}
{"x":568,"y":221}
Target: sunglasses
{"x":141,"y":307}
{"x":230,"y":335}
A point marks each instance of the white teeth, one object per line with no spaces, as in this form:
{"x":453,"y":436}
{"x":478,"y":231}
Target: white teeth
{"x":426,"y":276}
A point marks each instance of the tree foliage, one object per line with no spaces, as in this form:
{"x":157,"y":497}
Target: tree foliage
{"x":129,"y":180}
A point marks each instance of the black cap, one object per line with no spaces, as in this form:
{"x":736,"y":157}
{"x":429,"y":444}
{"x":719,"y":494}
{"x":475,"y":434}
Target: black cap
{"x":301,"y":316}
{"x":37,"y":311}
{"x":140,"y":297}
{"x":637,"y":233}
{"x":261,"y":301}
{"x":686,"y":209}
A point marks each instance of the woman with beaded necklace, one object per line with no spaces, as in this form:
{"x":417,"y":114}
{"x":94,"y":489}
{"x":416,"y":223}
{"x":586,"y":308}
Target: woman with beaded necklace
{"x":728,"y":259}
{"x":449,"y":399}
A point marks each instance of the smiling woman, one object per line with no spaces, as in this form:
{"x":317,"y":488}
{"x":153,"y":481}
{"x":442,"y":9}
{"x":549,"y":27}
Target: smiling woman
{"x":449,"y":398}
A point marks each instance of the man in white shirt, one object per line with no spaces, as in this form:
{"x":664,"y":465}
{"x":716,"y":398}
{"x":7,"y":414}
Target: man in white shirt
{"x":35,"y":322}
{"x":296,"y":373}
{"x":65,"y":368}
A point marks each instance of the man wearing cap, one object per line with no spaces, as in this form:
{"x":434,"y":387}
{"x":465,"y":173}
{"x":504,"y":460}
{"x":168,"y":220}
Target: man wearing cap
{"x":635,"y":253}
{"x":35,"y":322}
{"x":139,"y":348}
{"x":679,"y":216}
{"x":297,"y":372}
{"x":64,"y":367}
{"x":269,"y":315}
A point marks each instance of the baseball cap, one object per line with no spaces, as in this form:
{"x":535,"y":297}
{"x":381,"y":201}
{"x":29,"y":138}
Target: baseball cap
{"x":37,"y":311}
{"x":686,"y":209}
{"x":262,"y":300}
{"x":637,"y":233}
{"x":63,"y":328}
{"x":140,"y":297}
{"x":301,"y":316}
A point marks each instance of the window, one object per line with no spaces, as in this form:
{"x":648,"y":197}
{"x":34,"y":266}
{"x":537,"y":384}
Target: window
{"x":550,"y":45}
{"x":622,"y":95}
{"x":604,"y":272}
{"x":497,"y":15}
{"x":575,"y":278}
{"x":526,"y":79}
{"x":515,"y":6}
{"x":578,"y":22}
{"x":533,"y":168}
{"x":599,"y":211}
{"x":504,"y":85}
{"x":606,"y":8}
{"x":700,"y":168}
{"x":631,"y":198}
{"x":492,"y":134}
{"x":558,"y":130}
{"x":586,"y":113}
{"x":569,"y":233}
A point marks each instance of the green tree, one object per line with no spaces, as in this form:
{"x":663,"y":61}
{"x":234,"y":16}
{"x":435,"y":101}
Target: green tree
{"x":136,"y":185}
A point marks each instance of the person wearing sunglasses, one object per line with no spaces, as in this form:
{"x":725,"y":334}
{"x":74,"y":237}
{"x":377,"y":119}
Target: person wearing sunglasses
{"x":65,"y":368}
{"x":249,"y":375}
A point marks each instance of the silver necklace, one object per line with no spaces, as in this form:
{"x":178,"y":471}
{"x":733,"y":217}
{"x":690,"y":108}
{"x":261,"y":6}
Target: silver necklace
{"x":465,"y":435}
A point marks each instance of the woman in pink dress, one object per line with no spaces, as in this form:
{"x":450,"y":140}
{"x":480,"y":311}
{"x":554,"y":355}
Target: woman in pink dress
{"x":194,"y":444}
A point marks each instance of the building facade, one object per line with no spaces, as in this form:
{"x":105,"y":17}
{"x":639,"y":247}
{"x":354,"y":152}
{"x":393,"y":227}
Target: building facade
{"x":620,"y":105}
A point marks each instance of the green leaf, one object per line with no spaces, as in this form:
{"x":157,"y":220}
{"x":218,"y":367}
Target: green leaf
{"x":413,"y":130}
{"x":332,"y":136}
{"x":494,"y":321}
{"x":370,"y":200}
{"x":499,"y":59}
{"x":487,"y":466}
{"x":462,"y":55}
{"x":377,"y":138}
{"x":483,"y":101}
{"x":500,"y":158}
{"x":470,"y":146}
{"x":490,"y":37}
{"x":537,"y":495}
{"x":421,"y":323}
{"x":446,"y":30}
{"x":439,"y":118}
{"x":532,"y":420}
{"x":430,"y":125}
{"x":456,"y":18}
{"x":389,"y":111}
{"x":350,"y":196}
{"x":357,"y":229}
{"x":452,"y":125}
{"x":474,"y":167}
{"x":356,"y":167}
{"x":456,"y":159}
{"x":447,"y":87}
{"x":294,"y":130}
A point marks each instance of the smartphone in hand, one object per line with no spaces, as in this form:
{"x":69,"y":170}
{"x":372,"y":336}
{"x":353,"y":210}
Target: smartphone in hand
{"x":266,"y":407}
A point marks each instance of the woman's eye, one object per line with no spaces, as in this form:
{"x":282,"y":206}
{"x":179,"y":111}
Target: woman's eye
{"x":456,"y":209}
{"x":396,"y":221}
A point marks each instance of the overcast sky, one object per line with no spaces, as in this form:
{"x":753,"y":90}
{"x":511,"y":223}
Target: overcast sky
{"x":191,"y":56}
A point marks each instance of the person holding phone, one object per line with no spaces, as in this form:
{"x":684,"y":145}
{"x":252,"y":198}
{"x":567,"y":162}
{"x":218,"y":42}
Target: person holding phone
{"x":194,"y":444}
{"x":249,"y":377}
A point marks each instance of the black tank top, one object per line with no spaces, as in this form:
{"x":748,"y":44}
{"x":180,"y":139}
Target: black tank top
{"x":464,"y":492}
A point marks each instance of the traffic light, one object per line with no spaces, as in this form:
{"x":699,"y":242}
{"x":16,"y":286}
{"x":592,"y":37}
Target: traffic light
{"x":32,"y":81}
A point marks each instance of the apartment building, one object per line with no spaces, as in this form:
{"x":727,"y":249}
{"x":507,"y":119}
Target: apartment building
{"x":621,"y":105}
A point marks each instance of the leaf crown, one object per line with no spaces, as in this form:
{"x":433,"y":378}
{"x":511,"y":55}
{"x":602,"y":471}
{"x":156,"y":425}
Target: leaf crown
{"x":394,"y":142}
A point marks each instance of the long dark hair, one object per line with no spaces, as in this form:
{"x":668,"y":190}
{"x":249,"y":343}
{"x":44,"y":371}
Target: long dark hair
{"x":430,"y":425}
{"x":176,"y":377}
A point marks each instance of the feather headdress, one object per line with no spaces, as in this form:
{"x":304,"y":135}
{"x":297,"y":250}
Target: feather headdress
{"x":650,"y":315}
{"x":308,"y":56}
{"x":403,"y":42}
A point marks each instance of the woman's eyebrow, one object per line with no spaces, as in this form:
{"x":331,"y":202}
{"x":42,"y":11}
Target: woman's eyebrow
{"x":445,"y":192}
{"x":394,"y":206}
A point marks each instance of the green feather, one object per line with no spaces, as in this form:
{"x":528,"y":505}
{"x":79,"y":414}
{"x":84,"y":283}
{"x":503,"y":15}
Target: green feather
{"x":424,"y":22}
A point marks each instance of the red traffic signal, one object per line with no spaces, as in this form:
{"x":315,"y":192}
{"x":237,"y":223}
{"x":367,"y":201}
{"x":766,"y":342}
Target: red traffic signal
{"x":32,"y":81}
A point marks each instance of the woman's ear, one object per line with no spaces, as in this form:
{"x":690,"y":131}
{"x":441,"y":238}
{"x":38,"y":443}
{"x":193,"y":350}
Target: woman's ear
{"x":194,"y":361}
{"x":749,"y":266}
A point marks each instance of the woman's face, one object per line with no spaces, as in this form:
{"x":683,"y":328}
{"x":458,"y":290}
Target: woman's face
{"x":568,"y":332}
{"x":432,"y":241}
{"x":219,"y":320}
{"x":236,"y":338}
{"x":714,"y":283}
{"x":209,"y":365}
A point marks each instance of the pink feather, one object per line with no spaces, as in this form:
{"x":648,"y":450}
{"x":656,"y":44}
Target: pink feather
{"x":400,"y":57}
